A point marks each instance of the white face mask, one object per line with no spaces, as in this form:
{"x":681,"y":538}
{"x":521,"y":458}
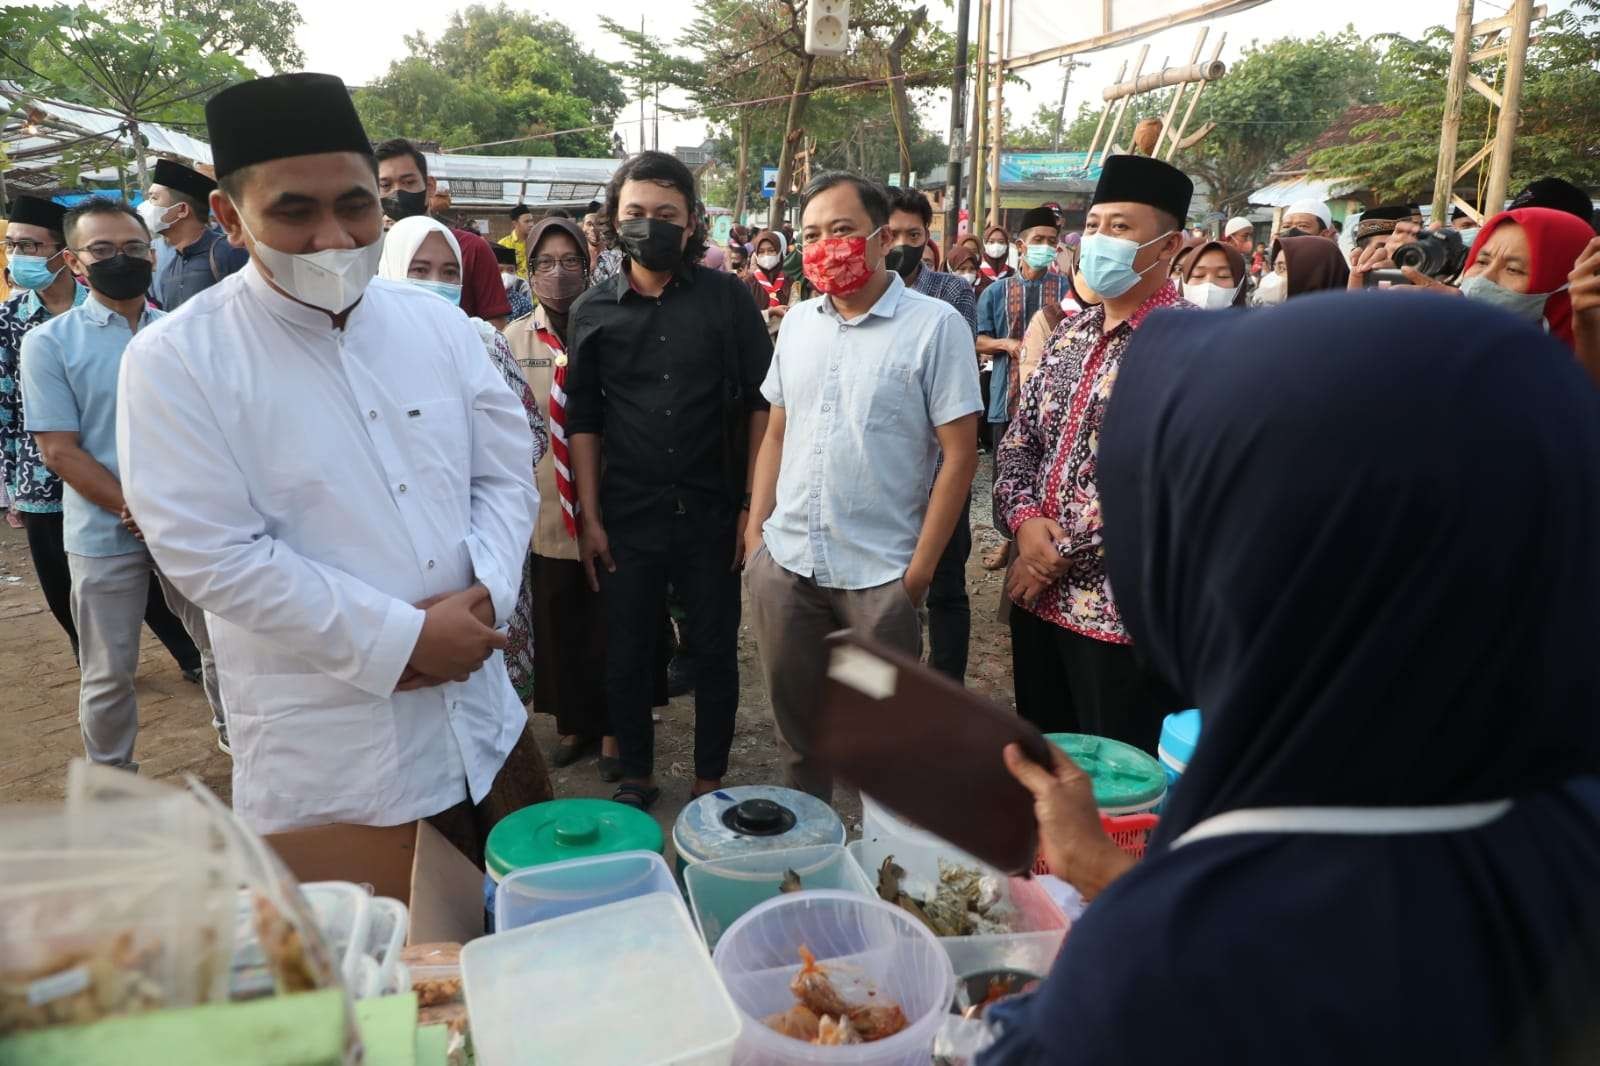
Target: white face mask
{"x":1274,"y":289}
{"x":1208,"y":296}
{"x":151,"y":213}
{"x":996,"y":250}
{"x":333,"y":279}
{"x":767,"y":261}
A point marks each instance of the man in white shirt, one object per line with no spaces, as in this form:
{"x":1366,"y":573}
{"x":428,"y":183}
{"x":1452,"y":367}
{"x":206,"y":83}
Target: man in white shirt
{"x":337,"y":475}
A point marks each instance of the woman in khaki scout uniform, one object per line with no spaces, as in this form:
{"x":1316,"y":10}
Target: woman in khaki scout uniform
{"x":569,"y":628}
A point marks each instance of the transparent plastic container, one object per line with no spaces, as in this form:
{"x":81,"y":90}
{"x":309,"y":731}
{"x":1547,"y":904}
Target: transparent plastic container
{"x":344,"y":914}
{"x":540,"y":893}
{"x":1040,"y":923}
{"x":385,"y":937}
{"x":626,"y":984}
{"x":721,"y":891}
{"x":865,"y":943}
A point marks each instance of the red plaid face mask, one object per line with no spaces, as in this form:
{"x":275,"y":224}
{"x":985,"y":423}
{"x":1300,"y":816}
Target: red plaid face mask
{"x":837,"y":265}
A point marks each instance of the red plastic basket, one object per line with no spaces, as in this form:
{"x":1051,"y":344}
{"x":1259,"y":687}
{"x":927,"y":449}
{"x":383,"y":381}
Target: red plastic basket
{"x":1130,"y":832}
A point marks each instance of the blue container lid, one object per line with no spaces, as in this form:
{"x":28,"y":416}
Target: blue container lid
{"x":1179,"y":734}
{"x":753,"y":818}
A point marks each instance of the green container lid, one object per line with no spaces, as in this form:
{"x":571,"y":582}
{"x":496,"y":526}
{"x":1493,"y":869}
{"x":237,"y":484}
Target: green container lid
{"x":563,"y":829}
{"x":1124,"y":777}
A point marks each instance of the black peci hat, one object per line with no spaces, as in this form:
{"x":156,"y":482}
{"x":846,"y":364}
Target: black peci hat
{"x":1042,"y":215}
{"x":1139,"y":179}
{"x":34,"y":211}
{"x":282,"y":116}
{"x":504,"y":256}
{"x":180,"y":178}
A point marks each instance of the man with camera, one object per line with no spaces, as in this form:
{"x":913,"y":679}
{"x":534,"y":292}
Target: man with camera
{"x":1409,"y":256}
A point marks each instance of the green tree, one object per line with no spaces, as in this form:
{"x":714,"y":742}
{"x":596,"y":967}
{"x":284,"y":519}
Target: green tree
{"x":496,"y":74}
{"x":753,"y":50}
{"x":240,"y":28}
{"x":1559,"y":122}
{"x":145,"y":73}
{"x":1276,"y":99}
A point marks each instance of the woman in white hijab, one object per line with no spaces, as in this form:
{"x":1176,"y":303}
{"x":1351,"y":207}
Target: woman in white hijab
{"x":422,"y":252}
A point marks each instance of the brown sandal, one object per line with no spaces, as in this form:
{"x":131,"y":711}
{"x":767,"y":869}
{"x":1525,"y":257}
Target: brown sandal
{"x":995,"y":559}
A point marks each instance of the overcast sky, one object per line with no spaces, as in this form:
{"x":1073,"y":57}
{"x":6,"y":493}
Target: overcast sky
{"x":357,"y":43}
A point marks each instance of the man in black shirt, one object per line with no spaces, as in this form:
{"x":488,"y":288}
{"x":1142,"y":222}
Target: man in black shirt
{"x":665,"y":416}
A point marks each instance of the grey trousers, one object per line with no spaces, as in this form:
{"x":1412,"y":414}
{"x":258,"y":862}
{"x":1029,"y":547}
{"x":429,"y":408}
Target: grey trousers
{"x":791,"y":615}
{"x":108,"y":600}
{"x":194,"y":623}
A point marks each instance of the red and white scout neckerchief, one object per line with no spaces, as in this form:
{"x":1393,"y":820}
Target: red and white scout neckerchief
{"x":772,"y":287}
{"x":558,"y":432}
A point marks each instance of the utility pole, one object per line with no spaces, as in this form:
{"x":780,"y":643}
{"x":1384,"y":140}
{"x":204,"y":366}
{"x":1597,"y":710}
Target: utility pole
{"x":958,"y":126}
{"x":640,"y":58}
{"x":980,"y":110}
{"x":997,"y":124}
{"x":1070,"y":64}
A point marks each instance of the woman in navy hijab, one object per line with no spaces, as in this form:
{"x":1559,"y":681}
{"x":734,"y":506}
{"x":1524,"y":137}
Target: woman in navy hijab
{"x":1372,"y":557}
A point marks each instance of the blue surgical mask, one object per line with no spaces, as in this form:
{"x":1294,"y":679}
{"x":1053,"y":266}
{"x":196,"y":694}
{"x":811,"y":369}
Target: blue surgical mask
{"x":1040,"y":256}
{"x":1106,"y":263}
{"x":1469,"y":235}
{"x":442,"y":289}
{"x":1528,"y":306}
{"x":32,"y":271}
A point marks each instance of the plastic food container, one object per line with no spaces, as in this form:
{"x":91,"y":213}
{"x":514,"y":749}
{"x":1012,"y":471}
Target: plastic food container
{"x":540,"y":893}
{"x":563,"y":829}
{"x":385,"y":937}
{"x":759,"y":956}
{"x":344,"y":914}
{"x":723,"y":890}
{"x":749,"y":819}
{"x":627,"y":984}
{"x":1126,"y":780}
{"x":1041,"y":926}
{"x":1179,"y":734}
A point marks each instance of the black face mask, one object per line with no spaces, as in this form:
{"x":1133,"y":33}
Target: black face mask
{"x":121,"y":277}
{"x":652,"y":243}
{"x":903,"y":259}
{"x":402,"y":204}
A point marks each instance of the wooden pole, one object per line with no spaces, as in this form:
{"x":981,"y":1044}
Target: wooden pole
{"x":1122,"y":108}
{"x":1454,"y":88}
{"x":1505,"y":131}
{"x":1194,"y":102}
{"x":997,"y":122}
{"x":1100,"y":127}
{"x":980,"y":143}
{"x":1177,"y":95}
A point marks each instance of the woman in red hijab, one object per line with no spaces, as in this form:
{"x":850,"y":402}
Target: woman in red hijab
{"x":1520,"y":263}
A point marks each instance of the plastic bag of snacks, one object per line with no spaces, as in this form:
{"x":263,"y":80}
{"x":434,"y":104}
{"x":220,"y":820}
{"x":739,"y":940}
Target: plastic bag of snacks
{"x":135,"y":896}
{"x":435,"y":973}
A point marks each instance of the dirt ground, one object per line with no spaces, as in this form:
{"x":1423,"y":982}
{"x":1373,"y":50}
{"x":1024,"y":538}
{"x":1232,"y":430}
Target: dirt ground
{"x":39,"y":698}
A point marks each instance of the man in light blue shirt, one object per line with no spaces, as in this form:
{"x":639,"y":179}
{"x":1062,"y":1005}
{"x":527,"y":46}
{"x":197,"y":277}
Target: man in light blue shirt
{"x":851,"y":509}
{"x":70,"y":366}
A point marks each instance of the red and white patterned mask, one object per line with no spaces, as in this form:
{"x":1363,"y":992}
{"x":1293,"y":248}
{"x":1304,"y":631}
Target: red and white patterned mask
{"x":837,"y":265}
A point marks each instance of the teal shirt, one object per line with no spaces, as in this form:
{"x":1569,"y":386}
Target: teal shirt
{"x":70,"y":367}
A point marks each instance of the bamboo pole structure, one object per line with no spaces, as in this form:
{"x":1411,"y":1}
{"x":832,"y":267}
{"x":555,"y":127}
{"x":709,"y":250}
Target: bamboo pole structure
{"x":997,"y":123}
{"x":980,"y":107}
{"x":1505,"y":132}
{"x":1444,"y":178}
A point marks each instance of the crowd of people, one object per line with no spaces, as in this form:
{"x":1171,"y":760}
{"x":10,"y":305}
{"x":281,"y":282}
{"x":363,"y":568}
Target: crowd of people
{"x":383,"y":486}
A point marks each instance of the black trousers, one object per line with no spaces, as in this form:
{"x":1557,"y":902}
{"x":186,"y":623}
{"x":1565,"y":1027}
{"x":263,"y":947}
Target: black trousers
{"x":1068,"y":683}
{"x":47,"y":547}
{"x":695,"y":553}
{"x":949,"y":609}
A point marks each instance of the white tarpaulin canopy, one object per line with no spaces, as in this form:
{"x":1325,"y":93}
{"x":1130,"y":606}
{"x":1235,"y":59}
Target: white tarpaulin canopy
{"x":1051,"y":29}
{"x":507,"y":180}
{"x":67,"y":124}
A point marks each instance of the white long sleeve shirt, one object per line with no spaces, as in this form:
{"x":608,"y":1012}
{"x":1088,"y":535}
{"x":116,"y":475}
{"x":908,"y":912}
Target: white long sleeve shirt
{"x":306,"y":486}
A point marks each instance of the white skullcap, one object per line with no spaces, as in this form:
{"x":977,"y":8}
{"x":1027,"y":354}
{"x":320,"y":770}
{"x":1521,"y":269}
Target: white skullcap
{"x":1310,"y":207}
{"x":1236,"y":225}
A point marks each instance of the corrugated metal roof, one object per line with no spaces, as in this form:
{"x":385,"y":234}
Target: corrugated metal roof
{"x":1286,"y":191}
{"x":535,"y":180}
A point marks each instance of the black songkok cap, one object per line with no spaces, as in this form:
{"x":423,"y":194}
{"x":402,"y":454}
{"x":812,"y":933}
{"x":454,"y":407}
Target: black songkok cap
{"x":1138,"y":179}
{"x":180,"y":178}
{"x":34,"y":211}
{"x":1039,"y":216}
{"x":282,"y":116}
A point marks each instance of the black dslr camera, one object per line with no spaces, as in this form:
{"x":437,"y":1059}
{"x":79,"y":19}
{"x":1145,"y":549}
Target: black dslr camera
{"x":1438,"y":253}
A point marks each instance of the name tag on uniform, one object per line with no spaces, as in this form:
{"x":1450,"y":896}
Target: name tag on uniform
{"x":536,"y":362}
{"x":415,"y":412}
